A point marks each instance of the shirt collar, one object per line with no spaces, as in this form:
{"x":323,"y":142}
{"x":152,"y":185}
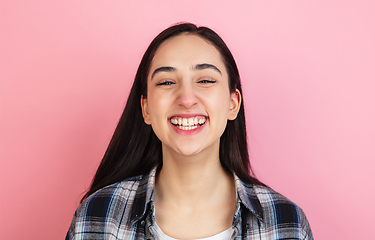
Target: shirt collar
{"x":248,"y":197}
{"x":144,"y":197}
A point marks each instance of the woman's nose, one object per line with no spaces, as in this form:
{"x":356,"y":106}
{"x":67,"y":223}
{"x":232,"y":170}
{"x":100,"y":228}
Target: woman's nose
{"x":186,"y":96}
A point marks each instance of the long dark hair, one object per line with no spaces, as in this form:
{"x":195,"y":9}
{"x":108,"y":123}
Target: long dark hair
{"x":134,"y":148}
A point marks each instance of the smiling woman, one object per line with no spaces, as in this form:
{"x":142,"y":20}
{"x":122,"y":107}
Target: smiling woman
{"x":177,"y":166}
{"x":189,"y":84}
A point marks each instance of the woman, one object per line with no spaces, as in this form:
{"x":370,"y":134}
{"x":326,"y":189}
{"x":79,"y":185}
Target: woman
{"x":177,"y":166}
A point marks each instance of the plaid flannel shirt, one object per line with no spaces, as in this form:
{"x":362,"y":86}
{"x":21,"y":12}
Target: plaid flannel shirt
{"x":125,"y":210}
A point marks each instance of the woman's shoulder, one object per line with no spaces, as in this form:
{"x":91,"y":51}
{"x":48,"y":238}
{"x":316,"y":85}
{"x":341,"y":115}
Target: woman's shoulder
{"x":266,"y":194}
{"x":112,"y":198}
{"x":107,"y":211}
{"x":279,"y":211}
{"x":118,"y":189}
{"x":280,"y":204}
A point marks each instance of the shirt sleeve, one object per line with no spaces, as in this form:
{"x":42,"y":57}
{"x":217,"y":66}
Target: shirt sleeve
{"x":70,"y":234}
{"x":306,"y":228}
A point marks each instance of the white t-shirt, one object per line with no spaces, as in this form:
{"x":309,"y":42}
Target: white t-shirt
{"x":225,"y":235}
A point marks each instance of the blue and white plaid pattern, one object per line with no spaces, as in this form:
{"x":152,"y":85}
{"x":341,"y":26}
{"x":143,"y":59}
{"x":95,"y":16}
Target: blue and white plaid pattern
{"x":125,"y":210}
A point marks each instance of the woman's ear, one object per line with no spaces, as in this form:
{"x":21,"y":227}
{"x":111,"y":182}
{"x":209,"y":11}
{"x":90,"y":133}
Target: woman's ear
{"x":145,"y":113}
{"x":235,"y":104}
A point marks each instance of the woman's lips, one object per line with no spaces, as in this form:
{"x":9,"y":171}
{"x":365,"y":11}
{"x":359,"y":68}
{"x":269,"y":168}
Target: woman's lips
{"x":188,"y":123}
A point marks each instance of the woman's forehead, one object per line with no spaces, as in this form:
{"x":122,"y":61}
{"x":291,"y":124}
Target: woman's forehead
{"x":186,"y":49}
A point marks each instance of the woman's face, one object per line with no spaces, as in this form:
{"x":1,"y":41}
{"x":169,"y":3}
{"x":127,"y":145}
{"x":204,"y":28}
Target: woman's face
{"x":188,"y":100}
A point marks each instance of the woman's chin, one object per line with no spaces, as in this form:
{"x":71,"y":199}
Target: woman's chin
{"x":193,"y":150}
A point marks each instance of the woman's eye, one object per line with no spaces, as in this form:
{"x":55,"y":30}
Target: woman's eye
{"x":207,"y":81}
{"x":165,"y":83}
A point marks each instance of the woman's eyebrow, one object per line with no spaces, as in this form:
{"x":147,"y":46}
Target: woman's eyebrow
{"x":201,"y":66}
{"x":206,"y":66}
{"x":163,"y":69}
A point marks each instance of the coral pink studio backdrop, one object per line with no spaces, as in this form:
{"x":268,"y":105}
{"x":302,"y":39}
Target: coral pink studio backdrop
{"x":309,"y":80}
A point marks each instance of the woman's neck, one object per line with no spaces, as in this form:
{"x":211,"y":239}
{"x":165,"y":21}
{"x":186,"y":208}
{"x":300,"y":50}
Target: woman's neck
{"x":189,"y":191}
{"x":192,"y":179}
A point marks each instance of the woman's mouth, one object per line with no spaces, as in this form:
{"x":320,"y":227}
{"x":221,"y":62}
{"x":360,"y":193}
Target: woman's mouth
{"x":188,"y":123}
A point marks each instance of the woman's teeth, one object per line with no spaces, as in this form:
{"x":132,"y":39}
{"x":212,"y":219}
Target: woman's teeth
{"x":188,"y":123}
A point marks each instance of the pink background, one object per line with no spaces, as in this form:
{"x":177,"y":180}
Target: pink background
{"x":308,"y":70}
